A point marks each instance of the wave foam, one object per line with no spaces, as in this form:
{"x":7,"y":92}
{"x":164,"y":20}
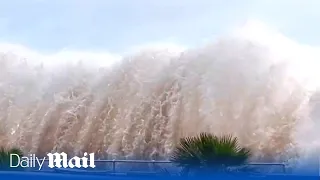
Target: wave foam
{"x":258,"y":89}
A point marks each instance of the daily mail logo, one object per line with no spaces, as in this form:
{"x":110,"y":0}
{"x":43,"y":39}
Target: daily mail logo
{"x":56,"y":160}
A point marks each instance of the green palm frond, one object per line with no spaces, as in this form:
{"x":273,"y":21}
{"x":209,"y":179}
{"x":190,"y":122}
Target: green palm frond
{"x":5,"y":157}
{"x":209,"y":151}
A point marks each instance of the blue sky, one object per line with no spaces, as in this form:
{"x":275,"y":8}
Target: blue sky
{"x":116,"y":25}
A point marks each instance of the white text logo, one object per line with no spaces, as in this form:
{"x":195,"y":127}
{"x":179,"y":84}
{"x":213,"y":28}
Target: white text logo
{"x":55,"y":160}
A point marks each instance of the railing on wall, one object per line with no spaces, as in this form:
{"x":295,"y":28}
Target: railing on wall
{"x":111,"y":165}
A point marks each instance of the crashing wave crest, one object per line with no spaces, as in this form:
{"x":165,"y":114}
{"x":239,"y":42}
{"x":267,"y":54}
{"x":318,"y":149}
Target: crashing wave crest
{"x":141,"y":106}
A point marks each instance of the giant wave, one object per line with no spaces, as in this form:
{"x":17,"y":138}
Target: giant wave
{"x":260,"y":87}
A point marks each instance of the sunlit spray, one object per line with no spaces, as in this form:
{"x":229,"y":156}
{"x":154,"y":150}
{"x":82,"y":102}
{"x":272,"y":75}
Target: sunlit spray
{"x":256,"y":88}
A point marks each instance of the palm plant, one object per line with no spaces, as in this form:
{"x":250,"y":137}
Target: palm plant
{"x":5,"y":157}
{"x":209,"y":153}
